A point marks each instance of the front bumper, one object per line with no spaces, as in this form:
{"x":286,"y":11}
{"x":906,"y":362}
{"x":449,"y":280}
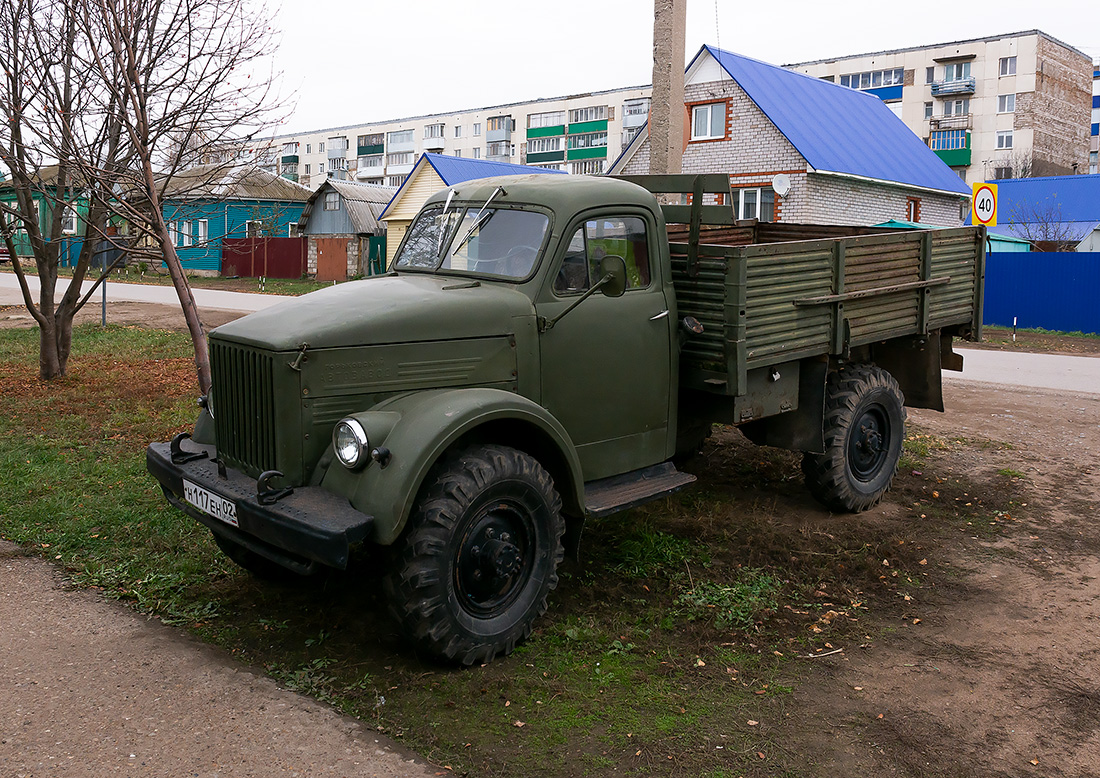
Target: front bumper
{"x":306,"y":527}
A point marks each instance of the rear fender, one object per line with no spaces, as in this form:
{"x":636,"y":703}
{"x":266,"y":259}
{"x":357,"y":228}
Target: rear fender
{"x":417,"y":429}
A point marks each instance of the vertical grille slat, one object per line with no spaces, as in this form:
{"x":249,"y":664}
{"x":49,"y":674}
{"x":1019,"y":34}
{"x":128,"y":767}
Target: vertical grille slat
{"x":244,"y":406}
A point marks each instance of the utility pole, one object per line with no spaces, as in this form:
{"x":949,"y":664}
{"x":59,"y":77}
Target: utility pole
{"x":666,"y":108}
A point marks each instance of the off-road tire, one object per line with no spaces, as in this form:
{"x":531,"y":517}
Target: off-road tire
{"x":261,"y":567}
{"x":864,"y":432}
{"x":480,"y":555}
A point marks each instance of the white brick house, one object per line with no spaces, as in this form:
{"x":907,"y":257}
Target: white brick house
{"x":848,"y":159}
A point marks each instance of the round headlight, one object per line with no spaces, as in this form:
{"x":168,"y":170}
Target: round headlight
{"x":349,"y":440}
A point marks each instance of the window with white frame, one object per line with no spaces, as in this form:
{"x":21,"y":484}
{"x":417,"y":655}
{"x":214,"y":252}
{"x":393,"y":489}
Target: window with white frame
{"x":458,"y":130}
{"x":499,"y":123}
{"x":202,"y":232}
{"x":433,"y":131}
{"x":400,"y":136}
{"x":185,"y":234}
{"x":1004,"y":139}
{"x":956,"y":71}
{"x":928,"y":110}
{"x":540,"y":145}
{"x":929,"y":75}
{"x":174,"y":233}
{"x":546,"y":119}
{"x":477,"y":129}
{"x":588,"y":167}
{"x":590,"y":114}
{"x":68,"y":220}
{"x":548,"y":165}
{"x":588,"y":140}
{"x":253,"y":229}
{"x":338,"y":163}
{"x":307,"y":170}
{"x":1006,"y":103}
{"x":477,"y":152}
{"x":1008,"y":66}
{"x":338,"y":144}
{"x":639,"y":107}
{"x":500,"y":148}
{"x":960,"y":107}
{"x":309,"y":148}
{"x":394,"y":180}
{"x":332,"y":201}
{"x":372,"y":160}
{"x":708,"y":122}
{"x":320,"y":167}
{"x":399,"y":158}
{"x":320,"y":148}
{"x":873,"y":79}
{"x":755,"y":203}
{"x":456,"y":152}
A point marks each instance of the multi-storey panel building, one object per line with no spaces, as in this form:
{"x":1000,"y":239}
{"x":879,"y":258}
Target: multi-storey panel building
{"x":998,"y":107}
{"x":577,"y":134}
{"x":1095,"y":152}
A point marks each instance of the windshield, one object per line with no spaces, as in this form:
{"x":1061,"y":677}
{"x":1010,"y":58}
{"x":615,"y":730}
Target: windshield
{"x":498,"y":242}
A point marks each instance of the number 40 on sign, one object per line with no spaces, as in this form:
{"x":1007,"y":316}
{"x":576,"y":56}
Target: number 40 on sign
{"x":983,"y":206}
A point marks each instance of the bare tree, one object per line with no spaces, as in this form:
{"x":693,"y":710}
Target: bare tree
{"x":54,"y":128}
{"x":1041,"y":224}
{"x":190,"y":78}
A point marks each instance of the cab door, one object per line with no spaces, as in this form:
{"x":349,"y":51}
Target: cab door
{"x":606,"y":366}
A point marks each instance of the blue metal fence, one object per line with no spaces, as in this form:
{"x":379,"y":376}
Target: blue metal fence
{"x":1054,"y":291}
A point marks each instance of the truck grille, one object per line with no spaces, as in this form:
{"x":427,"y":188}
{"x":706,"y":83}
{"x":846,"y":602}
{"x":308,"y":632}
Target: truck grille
{"x":244,"y":407}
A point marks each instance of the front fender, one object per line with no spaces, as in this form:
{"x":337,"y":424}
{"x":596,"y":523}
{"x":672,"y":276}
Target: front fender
{"x":419,"y":428}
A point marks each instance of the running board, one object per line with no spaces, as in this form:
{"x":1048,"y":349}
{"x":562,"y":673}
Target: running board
{"x":629,"y":490}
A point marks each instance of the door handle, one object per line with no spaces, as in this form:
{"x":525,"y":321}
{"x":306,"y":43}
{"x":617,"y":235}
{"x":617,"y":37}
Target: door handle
{"x":660,"y":315}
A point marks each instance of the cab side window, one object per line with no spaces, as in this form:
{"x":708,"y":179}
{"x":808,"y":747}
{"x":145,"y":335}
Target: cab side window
{"x":597,"y":238}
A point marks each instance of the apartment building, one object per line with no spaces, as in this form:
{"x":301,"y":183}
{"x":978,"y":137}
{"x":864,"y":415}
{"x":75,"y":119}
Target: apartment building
{"x":1005,"y":106}
{"x":578,"y":134}
{"x":1094,"y":153}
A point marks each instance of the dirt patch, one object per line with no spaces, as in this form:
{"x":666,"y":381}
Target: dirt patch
{"x":163,"y":317}
{"x":1002,"y":339}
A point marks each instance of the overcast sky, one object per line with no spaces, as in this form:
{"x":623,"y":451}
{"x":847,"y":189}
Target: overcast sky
{"x":351,"y":62}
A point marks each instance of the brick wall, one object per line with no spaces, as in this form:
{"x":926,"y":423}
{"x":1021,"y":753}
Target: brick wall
{"x":1058,"y":111}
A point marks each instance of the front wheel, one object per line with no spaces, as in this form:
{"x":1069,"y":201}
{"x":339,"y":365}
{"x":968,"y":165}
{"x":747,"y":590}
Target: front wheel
{"x":864,"y":431}
{"x":474,"y":567}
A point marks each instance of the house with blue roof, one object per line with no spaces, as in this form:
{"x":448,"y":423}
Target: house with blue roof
{"x":431,"y":173}
{"x":804,"y":150}
{"x":1054,"y":213}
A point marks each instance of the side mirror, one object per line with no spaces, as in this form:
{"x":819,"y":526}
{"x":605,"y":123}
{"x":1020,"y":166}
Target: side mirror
{"x":612,"y":276}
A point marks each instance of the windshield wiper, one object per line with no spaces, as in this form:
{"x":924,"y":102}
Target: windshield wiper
{"x":480,"y":219}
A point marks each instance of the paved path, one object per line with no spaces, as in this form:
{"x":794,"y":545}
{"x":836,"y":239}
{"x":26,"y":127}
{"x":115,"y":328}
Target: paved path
{"x":91,"y":689}
{"x":1041,"y":371}
{"x":146,"y":293}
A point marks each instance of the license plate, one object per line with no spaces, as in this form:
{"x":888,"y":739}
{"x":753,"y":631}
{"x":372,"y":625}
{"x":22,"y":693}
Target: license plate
{"x":208,"y":502}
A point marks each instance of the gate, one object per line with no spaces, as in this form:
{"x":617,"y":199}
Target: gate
{"x":269,"y":257}
{"x":332,"y":259}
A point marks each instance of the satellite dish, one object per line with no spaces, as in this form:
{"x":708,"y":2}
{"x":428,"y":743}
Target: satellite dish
{"x":781,"y":184}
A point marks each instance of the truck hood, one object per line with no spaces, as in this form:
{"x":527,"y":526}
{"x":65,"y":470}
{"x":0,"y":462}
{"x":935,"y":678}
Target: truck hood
{"x":403,"y":308}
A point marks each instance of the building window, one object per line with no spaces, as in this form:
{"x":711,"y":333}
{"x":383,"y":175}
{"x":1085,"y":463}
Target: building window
{"x":477,"y":129}
{"x":202,"y":232}
{"x":1004,"y":139}
{"x":959,"y":107}
{"x":253,"y":229}
{"x":399,"y":158}
{"x":755,"y":203}
{"x":1008,"y":66}
{"x":956,"y":71}
{"x":928,"y":110}
{"x":337,"y":144}
{"x":320,"y":148}
{"x":708,"y":122}
{"x":185,"y":234}
{"x":394,"y":180}
{"x":338,"y":163}
{"x":547,"y":119}
{"x":456,"y":153}
{"x":588,"y":140}
{"x":1094,"y":162}
{"x":332,"y":201}
{"x":433,"y":131}
{"x":498,"y":123}
{"x":873,"y":79}
{"x":400,"y":136}
{"x":912,"y":209}
{"x":374,"y":160}
{"x":549,"y":166}
{"x":290,"y":148}
{"x":501,"y":148}
{"x":309,"y":148}
{"x":1006,"y":103}
{"x":1002,"y":172}
{"x":540,"y":145}
{"x":307,"y":170}
{"x":590,"y":114}
{"x":320,"y":167}
{"x":929,"y":75}
{"x":68,"y":220}
{"x":638,"y":107}
{"x":629,"y":134}
{"x":588,"y":167}
{"x":477,"y":152}
{"x":947,"y":140}
{"x":458,"y":130}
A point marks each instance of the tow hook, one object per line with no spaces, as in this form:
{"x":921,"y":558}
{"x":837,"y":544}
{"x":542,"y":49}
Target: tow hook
{"x":179,"y":456}
{"x":265,"y":495}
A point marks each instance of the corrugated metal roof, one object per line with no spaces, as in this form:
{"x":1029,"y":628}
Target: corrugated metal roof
{"x":837,"y":129}
{"x":1071,"y":198}
{"x":455,"y":170}
{"x":364,"y":203}
{"x":234,"y":182}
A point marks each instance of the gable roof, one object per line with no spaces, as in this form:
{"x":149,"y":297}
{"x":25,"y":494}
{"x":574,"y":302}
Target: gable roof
{"x":837,"y":129}
{"x":455,"y":170}
{"x":233,"y":182}
{"x":364,"y":203}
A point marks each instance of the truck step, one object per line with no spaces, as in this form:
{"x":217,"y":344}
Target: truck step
{"x":619,"y":492}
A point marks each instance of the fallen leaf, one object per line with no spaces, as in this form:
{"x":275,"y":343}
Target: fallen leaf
{"x":858,"y":688}
{"x":521,"y":724}
{"x":761,"y":754}
{"x":700,"y":663}
{"x":923,"y":562}
{"x":935,"y":494}
{"x":880,"y":715}
{"x":753,"y":723}
{"x":1035,"y":761}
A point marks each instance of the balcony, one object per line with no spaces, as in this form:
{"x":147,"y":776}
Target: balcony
{"x":959,"y":122}
{"x":289,"y":159}
{"x":339,"y":152}
{"x":433,"y":144}
{"x":498,"y":128}
{"x":961,"y":86}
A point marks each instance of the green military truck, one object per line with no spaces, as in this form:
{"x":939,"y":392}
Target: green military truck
{"x":542,"y":351}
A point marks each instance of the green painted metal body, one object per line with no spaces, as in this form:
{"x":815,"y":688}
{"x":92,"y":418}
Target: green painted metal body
{"x":429,"y":360}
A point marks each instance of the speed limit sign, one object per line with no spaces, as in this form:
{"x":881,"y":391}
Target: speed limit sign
{"x":983,"y":206}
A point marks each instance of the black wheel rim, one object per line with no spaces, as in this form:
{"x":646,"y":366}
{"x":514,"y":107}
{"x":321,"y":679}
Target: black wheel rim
{"x":868,"y":443}
{"x":494,"y":559}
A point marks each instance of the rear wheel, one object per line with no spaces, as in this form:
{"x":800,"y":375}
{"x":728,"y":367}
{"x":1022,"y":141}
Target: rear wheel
{"x":480,"y":555}
{"x":864,"y":431}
